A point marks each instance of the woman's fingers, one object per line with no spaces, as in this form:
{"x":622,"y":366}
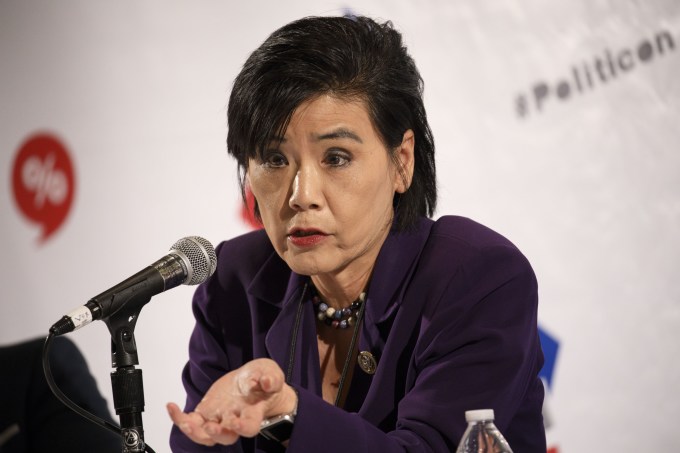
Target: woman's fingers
{"x":247,"y":382}
{"x":226,"y":431}
{"x":236,"y":404}
{"x":248,"y":424}
{"x":220,"y":434}
{"x":271,"y":383}
{"x":260,"y":378}
{"x":192,"y":425}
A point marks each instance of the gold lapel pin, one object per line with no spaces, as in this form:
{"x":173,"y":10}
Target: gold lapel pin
{"x":367,"y":362}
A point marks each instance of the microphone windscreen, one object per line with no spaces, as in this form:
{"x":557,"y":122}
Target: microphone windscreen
{"x":201,"y":255}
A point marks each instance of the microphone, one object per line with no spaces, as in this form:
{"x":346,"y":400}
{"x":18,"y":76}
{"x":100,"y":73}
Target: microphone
{"x":191,"y":261}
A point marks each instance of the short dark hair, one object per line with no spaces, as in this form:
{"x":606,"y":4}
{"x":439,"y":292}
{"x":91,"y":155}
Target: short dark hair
{"x":345,"y":57}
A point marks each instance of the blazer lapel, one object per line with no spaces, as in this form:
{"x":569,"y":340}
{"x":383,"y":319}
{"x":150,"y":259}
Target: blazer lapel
{"x":391,"y":313}
{"x":286,"y":298}
{"x":393,"y":270}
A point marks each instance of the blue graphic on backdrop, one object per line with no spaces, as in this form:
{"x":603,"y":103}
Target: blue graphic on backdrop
{"x":550,"y":346}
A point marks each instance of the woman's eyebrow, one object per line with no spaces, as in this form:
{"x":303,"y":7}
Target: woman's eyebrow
{"x":340,"y":132}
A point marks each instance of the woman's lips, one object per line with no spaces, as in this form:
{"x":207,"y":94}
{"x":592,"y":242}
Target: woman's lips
{"x":306,"y":237}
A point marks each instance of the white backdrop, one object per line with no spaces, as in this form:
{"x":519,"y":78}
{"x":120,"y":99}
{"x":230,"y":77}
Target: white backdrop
{"x":556,"y":123}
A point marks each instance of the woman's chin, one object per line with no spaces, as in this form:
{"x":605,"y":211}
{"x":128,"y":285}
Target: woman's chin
{"x":304,"y":265}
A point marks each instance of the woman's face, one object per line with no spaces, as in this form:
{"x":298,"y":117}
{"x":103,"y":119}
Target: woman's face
{"x":325,"y":188}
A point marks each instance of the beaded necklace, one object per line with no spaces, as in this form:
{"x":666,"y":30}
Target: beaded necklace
{"x":337,"y":318}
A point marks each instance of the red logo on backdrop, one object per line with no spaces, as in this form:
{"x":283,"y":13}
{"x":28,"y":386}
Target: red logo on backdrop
{"x":248,"y":211}
{"x":43,"y":182}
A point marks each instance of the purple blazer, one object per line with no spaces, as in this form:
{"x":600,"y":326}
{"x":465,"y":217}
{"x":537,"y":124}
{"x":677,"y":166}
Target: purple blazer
{"x":450,"y":316}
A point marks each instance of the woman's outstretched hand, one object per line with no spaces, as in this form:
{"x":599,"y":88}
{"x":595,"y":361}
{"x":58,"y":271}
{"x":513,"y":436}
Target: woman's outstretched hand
{"x":236,"y":404}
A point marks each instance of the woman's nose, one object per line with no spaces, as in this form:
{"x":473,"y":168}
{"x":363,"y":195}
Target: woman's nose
{"x":307,"y":190}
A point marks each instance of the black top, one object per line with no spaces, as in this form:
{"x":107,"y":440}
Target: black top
{"x":32,"y":419}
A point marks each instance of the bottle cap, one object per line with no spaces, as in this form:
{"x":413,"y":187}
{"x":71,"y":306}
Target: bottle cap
{"x":479,"y":415}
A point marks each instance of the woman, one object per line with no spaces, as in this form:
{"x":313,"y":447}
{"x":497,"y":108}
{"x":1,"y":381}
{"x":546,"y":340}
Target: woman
{"x":353,"y":322}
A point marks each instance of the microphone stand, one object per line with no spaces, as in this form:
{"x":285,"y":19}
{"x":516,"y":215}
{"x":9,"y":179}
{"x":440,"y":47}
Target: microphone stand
{"x":126,"y":381}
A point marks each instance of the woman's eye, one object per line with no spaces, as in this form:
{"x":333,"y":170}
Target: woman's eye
{"x":274,"y":160}
{"x":337,"y":159}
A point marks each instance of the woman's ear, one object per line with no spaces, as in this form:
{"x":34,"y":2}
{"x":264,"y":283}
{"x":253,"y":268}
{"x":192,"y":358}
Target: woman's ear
{"x":405,"y":162}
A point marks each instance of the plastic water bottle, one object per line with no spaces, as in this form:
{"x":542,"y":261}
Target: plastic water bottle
{"x":481,"y":434}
